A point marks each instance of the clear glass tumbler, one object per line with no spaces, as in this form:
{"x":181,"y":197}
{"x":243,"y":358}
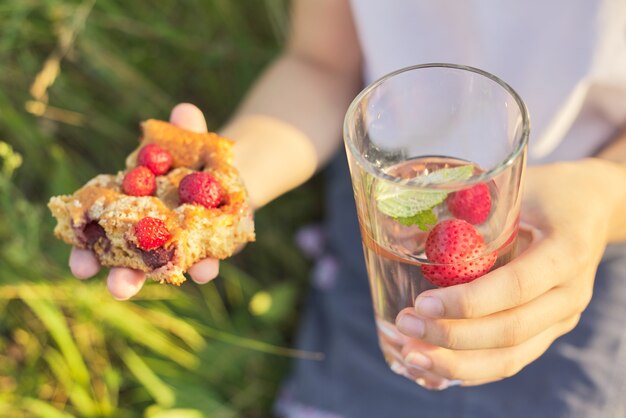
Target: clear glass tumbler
{"x":437,"y":154}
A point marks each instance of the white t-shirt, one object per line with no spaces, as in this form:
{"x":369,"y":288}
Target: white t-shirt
{"x":566,"y":58}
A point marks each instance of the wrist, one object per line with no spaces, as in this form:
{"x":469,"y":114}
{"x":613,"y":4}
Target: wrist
{"x":272,"y":156}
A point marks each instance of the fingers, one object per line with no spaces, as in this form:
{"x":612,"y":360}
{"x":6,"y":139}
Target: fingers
{"x":481,"y":366}
{"x":124,"y":283}
{"x":432,"y":381}
{"x":539,"y":269}
{"x":422,"y":377}
{"x":83,"y":263}
{"x":503,"y":329}
{"x":205,"y":270}
{"x":188,"y":116}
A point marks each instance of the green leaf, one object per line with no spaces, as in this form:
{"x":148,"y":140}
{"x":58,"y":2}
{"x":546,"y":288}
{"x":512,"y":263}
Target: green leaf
{"x":57,"y":325}
{"x":42,"y":409}
{"x":422,"y":219}
{"x":449,"y":175}
{"x":176,"y":413}
{"x":401,"y":201}
{"x":155,"y":386}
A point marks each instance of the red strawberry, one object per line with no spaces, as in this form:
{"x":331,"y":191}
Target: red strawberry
{"x":151,"y":233}
{"x":201,"y":188}
{"x":472,"y":205}
{"x":456,"y":246}
{"x":155,"y":158}
{"x":139,"y":182}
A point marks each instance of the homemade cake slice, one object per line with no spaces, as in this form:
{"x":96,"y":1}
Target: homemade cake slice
{"x":178,"y":201}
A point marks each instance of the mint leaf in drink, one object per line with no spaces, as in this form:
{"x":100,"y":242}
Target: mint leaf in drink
{"x":422,"y":219}
{"x":403,"y":202}
{"x":449,"y":175}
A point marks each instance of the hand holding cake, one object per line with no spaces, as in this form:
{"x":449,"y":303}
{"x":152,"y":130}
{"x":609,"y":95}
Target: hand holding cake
{"x":179,"y":201}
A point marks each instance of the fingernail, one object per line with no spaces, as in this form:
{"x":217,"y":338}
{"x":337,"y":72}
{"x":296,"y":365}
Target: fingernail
{"x":398,"y":368}
{"x":454,"y":383}
{"x":441,"y":386}
{"x":411,"y":326}
{"x":418,"y":359}
{"x":446,"y":384}
{"x":429,"y":306}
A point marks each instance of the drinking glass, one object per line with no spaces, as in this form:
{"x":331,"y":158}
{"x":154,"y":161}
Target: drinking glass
{"x":437,"y":154}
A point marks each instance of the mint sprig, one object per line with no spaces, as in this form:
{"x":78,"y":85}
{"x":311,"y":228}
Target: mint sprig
{"x":402,"y":203}
{"x":414,"y":207}
{"x":423,"y":219}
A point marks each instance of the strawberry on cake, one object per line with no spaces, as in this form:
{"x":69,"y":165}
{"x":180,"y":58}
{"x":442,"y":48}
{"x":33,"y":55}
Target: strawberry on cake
{"x":179,"y":201}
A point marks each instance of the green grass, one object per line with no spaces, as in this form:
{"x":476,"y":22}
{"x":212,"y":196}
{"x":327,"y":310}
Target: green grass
{"x":75,"y":79}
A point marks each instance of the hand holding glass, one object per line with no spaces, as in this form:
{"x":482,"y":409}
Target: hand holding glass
{"x":437,"y":154}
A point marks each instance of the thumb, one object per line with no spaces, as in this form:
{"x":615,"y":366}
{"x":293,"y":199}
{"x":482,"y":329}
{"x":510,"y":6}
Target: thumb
{"x":188,"y":116}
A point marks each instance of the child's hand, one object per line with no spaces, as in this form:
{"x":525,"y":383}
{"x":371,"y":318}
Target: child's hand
{"x":123,"y":283}
{"x":493,"y":327}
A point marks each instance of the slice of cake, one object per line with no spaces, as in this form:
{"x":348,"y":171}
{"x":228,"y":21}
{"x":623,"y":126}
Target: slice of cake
{"x":179,"y":201}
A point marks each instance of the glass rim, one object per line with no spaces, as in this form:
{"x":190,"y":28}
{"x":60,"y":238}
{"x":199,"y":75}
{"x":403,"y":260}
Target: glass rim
{"x":419,"y":182}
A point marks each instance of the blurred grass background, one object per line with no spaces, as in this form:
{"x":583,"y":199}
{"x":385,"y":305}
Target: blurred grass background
{"x":76,"y":77}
